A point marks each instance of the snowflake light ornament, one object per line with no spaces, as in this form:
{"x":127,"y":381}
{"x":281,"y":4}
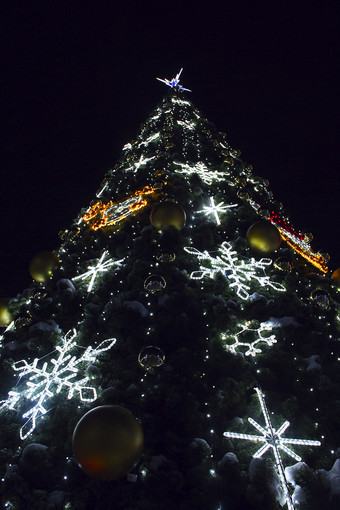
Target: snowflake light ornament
{"x":49,"y":379}
{"x":272,"y":438}
{"x":215,"y":209}
{"x":174,"y":83}
{"x":207,"y":176}
{"x":239,"y":272}
{"x":252,"y":347}
{"x":141,"y":162}
{"x":101,"y":267}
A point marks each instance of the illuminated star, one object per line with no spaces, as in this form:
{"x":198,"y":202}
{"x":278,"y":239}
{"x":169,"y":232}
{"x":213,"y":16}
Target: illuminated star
{"x":215,"y":209}
{"x":51,"y":377}
{"x":174,"y":83}
{"x":272,"y":438}
{"x":101,"y":267}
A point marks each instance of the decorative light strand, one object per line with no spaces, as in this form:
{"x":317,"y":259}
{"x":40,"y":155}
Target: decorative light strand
{"x":207,"y":176}
{"x":238,"y":272}
{"x":272,"y":439}
{"x":43,"y":383}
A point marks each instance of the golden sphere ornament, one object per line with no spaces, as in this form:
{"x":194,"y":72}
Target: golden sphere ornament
{"x":263,"y":237}
{"x":42,"y":266}
{"x":166,"y":215}
{"x":154,"y":283}
{"x":320,"y":298}
{"x":107,"y":442}
{"x":336,"y":277}
{"x":5,"y":315}
{"x":283,"y":264}
{"x":165,"y":257}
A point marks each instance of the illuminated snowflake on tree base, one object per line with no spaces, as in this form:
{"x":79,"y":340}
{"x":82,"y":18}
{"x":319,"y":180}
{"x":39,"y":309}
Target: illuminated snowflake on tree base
{"x":273,"y":439}
{"x":52,"y":377}
{"x":238,"y":272}
{"x":252,"y":347}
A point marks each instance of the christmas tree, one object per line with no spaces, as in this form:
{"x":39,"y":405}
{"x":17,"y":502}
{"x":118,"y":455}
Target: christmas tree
{"x":180,"y":349}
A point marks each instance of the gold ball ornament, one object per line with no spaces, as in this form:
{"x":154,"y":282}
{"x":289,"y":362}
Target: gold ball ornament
{"x":42,"y":266}
{"x":336,"y":277}
{"x":166,"y":215}
{"x":263,"y":237}
{"x":151,"y":357}
{"x":5,"y":315}
{"x":107,"y":442}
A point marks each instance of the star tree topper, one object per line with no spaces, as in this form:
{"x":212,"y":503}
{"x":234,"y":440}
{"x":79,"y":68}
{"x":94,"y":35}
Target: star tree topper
{"x":174,"y":83}
{"x":272,"y":438}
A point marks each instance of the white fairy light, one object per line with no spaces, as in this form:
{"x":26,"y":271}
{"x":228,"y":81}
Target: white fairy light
{"x":238,"y":272}
{"x":102,"y":190}
{"x":272,"y":438}
{"x":101,"y":267}
{"x":9,"y":327}
{"x":53,"y":376}
{"x":252,"y":347}
{"x":214,"y":209}
{"x":150,"y":139}
{"x":207,"y":176}
{"x":179,"y":101}
{"x":186,"y":125}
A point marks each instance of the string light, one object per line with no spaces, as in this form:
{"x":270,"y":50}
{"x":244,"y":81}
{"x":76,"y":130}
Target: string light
{"x":43,"y":383}
{"x":207,"y":176}
{"x":238,"y":272}
{"x":272,"y":438}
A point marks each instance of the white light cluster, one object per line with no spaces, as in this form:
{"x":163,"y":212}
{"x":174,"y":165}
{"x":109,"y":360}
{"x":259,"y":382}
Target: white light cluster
{"x":179,"y":101}
{"x":49,"y":379}
{"x":9,"y":327}
{"x":214,"y":209}
{"x":272,"y":439}
{"x":150,"y":139}
{"x":238,"y":272}
{"x":102,"y":190}
{"x":141,"y":162}
{"x":101,"y":267}
{"x":252,"y":349}
{"x":186,"y":125}
{"x":207,"y":176}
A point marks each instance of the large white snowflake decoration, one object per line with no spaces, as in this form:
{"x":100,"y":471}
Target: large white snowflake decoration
{"x":207,"y":176}
{"x":101,"y":267}
{"x":252,"y":347}
{"x":239,"y":272}
{"x":215,"y":209}
{"x":272,"y":438}
{"x":51,"y":377}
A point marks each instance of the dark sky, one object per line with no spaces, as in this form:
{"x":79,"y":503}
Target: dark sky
{"x":78,"y":78}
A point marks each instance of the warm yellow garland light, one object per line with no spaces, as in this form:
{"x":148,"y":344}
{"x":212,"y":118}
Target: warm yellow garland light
{"x":112,"y":213}
{"x":317,"y":259}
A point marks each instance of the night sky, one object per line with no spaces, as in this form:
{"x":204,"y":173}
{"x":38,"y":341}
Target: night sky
{"x":78,"y":79}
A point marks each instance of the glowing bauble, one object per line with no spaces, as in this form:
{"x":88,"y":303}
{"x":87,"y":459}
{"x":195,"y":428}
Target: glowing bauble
{"x":263,"y":237}
{"x":42,"y":266}
{"x":166,"y":215}
{"x":151,"y":357}
{"x":5,"y":314}
{"x":243,"y":195}
{"x":23,"y":320}
{"x":283,"y":264}
{"x":107,"y":442}
{"x":154,"y":283}
{"x":164,"y":257}
{"x":336,"y":277}
{"x":320,"y":298}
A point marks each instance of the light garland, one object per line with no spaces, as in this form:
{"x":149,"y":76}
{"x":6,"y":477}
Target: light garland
{"x":104,"y":215}
{"x":43,"y":383}
{"x":303,"y":248}
{"x":252,"y":349}
{"x":238,"y":272}
{"x":214,"y":209}
{"x":272,"y":439}
{"x":101,"y":267}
